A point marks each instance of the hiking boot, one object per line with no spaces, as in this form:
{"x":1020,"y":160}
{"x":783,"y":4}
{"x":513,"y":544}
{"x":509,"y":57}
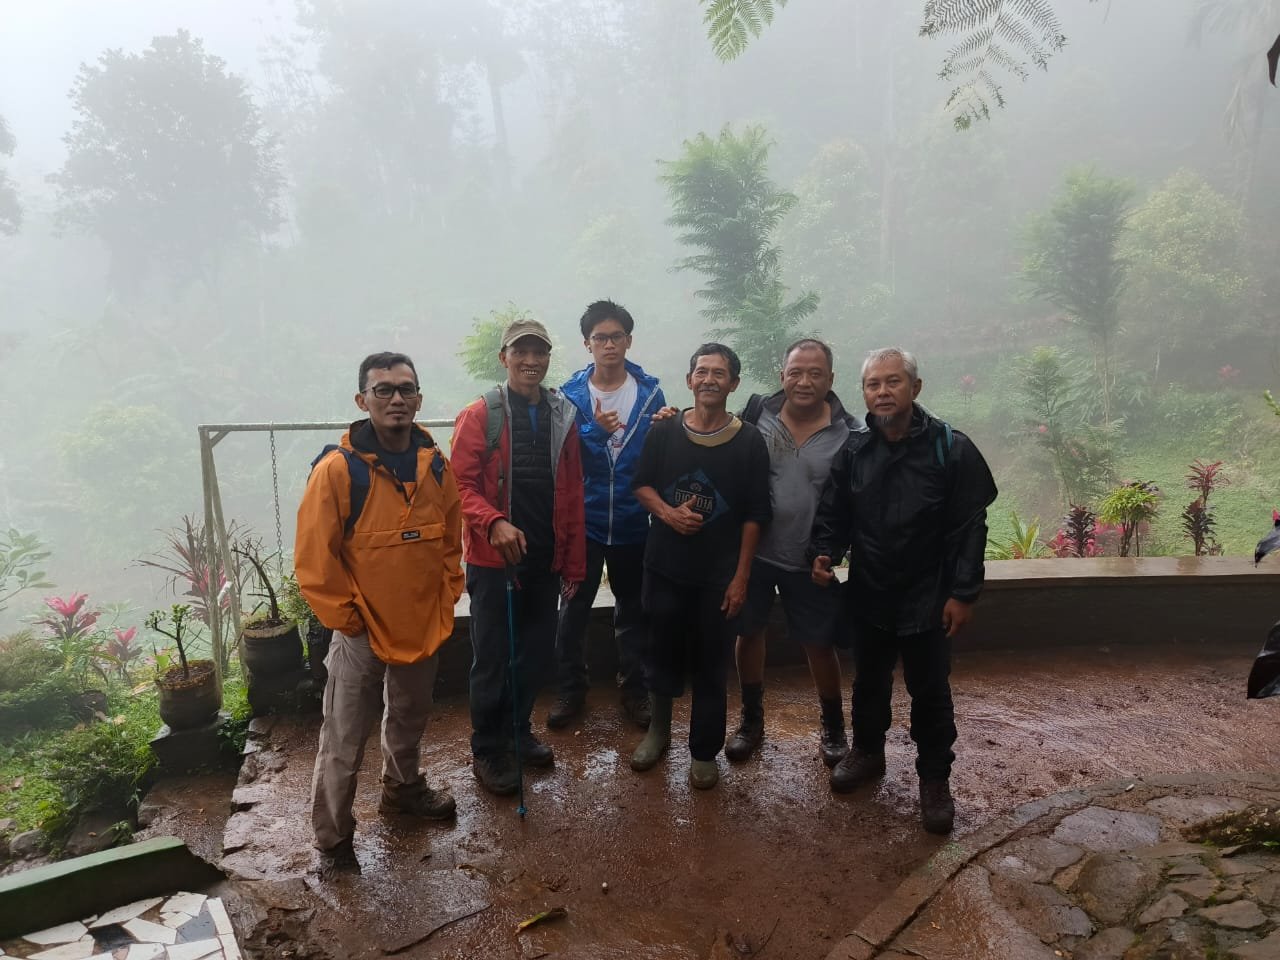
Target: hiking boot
{"x":568,"y":706}
{"x":497,"y":773}
{"x":856,"y":769}
{"x":833,"y":746}
{"x":656,"y":741}
{"x":418,"y":801}
{"x":535,"y":753}
{"x":703,"y":774}
{"x":635,"y":707}
{"x":937,"y":809}
{"x":746,"y":738}
{"x":338,"y":860}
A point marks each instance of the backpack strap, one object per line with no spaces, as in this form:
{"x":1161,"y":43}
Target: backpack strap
{"x":358,"y":471}
{"x":751,"y":412}
{"x":495,"y":419}
{"x":942,"y":443}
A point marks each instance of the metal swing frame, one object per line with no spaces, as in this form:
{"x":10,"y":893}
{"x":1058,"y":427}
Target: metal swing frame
{"x":217,"y":545}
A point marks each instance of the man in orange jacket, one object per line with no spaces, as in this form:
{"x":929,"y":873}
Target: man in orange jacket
{"x":378,"y":558}
{"x":520,"y":476}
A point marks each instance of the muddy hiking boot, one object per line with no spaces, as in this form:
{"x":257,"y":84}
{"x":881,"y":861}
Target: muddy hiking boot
{"x":656,"y":741}
{"x":418,"y":801}
{"x":937,"y":809}
{"x":703,"y":774}
{"x":751,"y":730}
{"x":497,"y":773}
{"x":635,"y":707}
{"x":856,"y":769}
{"x":338,"y":860}
{"x":535,"y":753}
{"x":832,"y":746}
{"x":566,"y":710}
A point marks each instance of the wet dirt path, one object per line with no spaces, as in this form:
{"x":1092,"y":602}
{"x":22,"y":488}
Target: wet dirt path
{"x":770,"y":855}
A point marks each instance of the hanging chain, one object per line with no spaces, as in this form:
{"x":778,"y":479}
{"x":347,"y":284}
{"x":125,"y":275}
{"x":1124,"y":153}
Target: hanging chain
{"x":275,"y":498}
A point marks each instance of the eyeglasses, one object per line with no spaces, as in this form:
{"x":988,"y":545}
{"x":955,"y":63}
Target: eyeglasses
{"x":600,"y":339}
{"x":385,"y":391}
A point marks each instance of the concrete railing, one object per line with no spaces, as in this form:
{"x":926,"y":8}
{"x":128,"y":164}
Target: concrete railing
{"x":1092,"y":602}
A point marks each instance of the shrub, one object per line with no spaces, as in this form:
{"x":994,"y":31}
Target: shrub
{"x":1130,"y":506}
{"x":1021,"y":543}
{"x":100,"y":766}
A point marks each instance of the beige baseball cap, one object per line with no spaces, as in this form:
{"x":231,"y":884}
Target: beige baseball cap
{"x":524,"y":328}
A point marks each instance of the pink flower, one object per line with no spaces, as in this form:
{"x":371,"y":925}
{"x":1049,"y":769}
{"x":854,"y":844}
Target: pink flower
{"x":125,"y":636}
{"x":1042,"y":429}
{"x":968,"y":380}
{"x":1227,"y":372}
{"x":68,"y":607}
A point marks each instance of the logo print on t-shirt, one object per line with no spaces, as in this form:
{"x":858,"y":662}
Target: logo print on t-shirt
{"x":706,"y":500}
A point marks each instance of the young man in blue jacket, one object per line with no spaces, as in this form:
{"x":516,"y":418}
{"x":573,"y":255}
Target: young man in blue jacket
{"x":615,"y":400}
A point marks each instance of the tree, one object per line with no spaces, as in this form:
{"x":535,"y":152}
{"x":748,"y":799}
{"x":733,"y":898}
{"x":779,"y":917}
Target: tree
{"x":167,"y":162}
{"x":1073,"y":261}
{"x":834,"y":234}
{"x":10,"y":209}
{"x":1184,"y":245}
{"x":726,"y":206}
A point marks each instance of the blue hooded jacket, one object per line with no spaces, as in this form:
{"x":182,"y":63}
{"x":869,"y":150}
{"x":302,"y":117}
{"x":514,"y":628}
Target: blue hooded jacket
{"x":614,"y":516}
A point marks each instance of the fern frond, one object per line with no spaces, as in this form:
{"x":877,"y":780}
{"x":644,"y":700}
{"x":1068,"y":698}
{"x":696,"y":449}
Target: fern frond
{"x":732,"y":24}
{"x":996,"y":36}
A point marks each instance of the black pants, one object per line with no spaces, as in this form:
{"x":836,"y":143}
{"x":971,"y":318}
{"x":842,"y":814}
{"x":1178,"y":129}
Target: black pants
{"x":534,"y":605}
{"x":690,"y":635}
{"x":926,"y":667}
{"x":630,"y":627}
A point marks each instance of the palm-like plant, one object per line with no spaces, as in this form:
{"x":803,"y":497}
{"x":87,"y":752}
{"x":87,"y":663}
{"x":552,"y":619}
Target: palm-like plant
{"x":1021,"y":543}
{"x":732,"y":24}
{"x":727,"y":207}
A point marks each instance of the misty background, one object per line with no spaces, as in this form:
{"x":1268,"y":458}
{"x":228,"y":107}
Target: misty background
{"x":216,"y":209}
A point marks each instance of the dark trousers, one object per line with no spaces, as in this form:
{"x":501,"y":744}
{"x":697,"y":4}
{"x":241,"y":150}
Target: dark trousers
{"x":690,"y":635}
{"x":630,"y":627}
{"x":926,"y":667}
{"x":534,"y":606}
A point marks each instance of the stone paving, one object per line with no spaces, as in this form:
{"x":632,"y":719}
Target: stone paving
{"x":184,"y":926}
{"x":1106,"y":873}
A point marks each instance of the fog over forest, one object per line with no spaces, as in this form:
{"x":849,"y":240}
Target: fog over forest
{"x":211,"y":211}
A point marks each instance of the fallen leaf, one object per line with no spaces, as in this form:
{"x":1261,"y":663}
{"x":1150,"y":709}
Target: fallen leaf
{"x":555,"y":913}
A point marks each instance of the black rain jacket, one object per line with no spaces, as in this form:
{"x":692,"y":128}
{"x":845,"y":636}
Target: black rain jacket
{"x":912,"y":515}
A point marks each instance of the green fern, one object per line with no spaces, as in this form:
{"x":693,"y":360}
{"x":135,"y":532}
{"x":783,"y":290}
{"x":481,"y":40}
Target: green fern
{"x":1010,"y":35}
{"x":732,"y":24}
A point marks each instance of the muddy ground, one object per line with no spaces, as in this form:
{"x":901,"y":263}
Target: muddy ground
{"x":770,"y":855}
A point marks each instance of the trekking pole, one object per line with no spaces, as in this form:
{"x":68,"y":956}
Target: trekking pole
{"x":515,"y":703}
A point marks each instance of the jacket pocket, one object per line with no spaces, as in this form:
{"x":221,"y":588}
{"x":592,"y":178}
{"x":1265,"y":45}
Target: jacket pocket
{"x":379,"y":539}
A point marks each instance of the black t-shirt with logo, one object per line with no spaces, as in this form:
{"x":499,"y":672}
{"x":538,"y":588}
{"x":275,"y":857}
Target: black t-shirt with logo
{"x":727,"y":475}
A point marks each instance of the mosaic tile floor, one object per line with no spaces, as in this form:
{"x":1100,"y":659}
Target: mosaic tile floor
{"x":185,"y":926}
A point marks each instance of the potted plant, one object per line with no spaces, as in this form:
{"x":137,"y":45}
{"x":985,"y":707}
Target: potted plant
{"x":190,"y":694}
{"x":270,"y":646}
{"x":295,"y":607}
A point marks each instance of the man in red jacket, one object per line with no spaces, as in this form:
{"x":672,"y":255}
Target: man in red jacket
{"x":516,"y":456}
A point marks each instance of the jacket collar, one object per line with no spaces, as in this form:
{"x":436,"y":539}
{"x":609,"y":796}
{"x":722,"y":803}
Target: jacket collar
{"x":363,"y":440}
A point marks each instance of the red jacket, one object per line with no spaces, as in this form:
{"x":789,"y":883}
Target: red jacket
{"x":477,"y":471}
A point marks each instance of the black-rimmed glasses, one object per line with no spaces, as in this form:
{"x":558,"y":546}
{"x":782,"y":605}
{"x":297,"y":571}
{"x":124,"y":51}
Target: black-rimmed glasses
{"x":385,"y":391}
{"x":600,"y":339}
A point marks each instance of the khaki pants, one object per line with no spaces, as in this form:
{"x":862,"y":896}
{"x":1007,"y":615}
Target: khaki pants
{"x":358,"y":685}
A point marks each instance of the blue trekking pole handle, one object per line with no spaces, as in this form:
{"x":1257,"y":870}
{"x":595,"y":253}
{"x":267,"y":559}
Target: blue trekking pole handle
{"x":515,"y":709}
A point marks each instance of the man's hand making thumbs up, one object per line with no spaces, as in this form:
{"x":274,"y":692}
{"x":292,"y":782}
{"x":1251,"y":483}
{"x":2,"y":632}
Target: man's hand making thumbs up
{"x":608,"y":419}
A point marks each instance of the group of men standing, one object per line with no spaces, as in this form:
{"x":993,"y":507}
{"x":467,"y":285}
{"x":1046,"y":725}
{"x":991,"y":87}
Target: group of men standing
{"x":701,"y":517}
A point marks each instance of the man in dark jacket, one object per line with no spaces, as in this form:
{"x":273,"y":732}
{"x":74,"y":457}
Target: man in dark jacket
{"x":615,"y":401}
{"x":908,"y":499}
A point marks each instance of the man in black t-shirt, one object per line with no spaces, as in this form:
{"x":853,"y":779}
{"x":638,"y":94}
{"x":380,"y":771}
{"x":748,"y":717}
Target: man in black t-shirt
{"x":704,"y":478}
